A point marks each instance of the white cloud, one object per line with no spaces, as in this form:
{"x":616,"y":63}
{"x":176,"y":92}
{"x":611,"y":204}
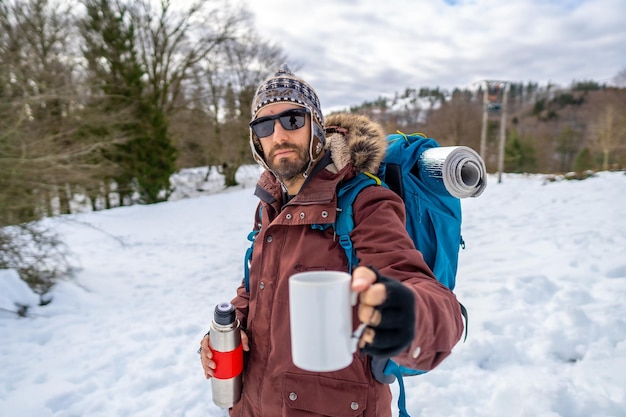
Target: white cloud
{"x":352,"y":51}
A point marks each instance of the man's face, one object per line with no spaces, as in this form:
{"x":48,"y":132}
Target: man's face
{"x":286,"y":151}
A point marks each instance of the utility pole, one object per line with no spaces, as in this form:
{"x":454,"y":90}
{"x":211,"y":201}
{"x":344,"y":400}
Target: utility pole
{"x":503,"y":88}
{"x":502,"y":132}
{"x":483,"y":132}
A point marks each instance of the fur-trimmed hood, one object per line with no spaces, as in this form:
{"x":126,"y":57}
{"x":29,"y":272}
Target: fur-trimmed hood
{"x":356,"y":139}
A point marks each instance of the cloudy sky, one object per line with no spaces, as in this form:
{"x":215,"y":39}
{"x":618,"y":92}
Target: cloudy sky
{"x":357,"y":50}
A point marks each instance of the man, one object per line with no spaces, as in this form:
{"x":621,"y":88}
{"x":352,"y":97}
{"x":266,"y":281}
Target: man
{"x":410,"y":315}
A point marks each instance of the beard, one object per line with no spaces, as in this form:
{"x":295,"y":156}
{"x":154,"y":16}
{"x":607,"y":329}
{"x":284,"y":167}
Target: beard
{"x":287,"y":169}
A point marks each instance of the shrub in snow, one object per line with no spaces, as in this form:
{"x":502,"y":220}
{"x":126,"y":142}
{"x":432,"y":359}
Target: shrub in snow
{"x":36,"y":254}
{"x":15,"y":295}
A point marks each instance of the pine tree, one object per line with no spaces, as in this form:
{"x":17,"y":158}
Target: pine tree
{"x":146,"y":158}
{"x":519,"y":154}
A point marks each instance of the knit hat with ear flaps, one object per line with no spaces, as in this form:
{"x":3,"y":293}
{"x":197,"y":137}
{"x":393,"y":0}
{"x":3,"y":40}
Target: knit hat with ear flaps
{"x":284,"y":86}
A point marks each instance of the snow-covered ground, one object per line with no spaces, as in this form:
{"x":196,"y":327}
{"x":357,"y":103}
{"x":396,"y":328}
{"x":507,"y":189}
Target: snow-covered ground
{"x":543,"y":277}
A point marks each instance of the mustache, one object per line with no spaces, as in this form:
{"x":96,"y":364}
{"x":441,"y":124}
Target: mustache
{"x":283,"y":148}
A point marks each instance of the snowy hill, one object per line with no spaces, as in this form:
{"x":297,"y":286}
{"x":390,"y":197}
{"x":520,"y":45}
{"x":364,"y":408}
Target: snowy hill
{"x":543,"y":277}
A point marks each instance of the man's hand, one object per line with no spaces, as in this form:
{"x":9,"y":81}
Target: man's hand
{"x":371,"y":296}
{"x":206,"y":354}
{"x":388,"y":309}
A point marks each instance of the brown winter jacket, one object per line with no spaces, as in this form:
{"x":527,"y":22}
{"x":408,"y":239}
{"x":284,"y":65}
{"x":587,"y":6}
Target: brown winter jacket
{"x":286,"y":244}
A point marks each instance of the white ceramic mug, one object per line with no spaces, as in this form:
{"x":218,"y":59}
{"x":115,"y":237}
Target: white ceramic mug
{"x":320,"y":311}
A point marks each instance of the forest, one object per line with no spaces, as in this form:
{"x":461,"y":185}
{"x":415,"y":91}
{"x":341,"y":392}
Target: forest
{"x":105,"y":99}
{"x":548,"y":129}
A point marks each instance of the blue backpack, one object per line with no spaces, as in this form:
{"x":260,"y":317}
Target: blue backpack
{"x":433,"y":221}
{"x":433,"y":216}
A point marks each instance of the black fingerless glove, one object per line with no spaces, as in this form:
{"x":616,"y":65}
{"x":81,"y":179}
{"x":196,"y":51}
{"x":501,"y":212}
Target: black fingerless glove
{"x":397,"y":325}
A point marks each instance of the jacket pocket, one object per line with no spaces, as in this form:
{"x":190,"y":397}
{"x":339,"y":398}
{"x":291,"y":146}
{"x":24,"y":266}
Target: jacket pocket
{"x":308,"y":395}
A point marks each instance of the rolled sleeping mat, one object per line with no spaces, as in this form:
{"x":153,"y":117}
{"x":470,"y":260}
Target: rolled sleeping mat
{"x":459,"y":170}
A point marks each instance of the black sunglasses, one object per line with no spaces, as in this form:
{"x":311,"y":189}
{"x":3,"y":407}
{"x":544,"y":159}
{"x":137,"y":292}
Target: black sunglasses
{"x":291,"y":119}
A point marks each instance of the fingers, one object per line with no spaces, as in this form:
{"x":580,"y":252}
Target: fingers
{"x":363,"y":282}
{"x":362,"y":278}
{"x":245,"y":343}
{"x":206,"y":356}
{"x":206,"y":350}
{"x":369,"y":315}
{"x":367,"y":337}
{"x":371,"y":296}
{"x":374,"y":295}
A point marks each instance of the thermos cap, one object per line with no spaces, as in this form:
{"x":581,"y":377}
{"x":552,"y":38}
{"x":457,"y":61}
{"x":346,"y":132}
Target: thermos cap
{"x":224,"y":314}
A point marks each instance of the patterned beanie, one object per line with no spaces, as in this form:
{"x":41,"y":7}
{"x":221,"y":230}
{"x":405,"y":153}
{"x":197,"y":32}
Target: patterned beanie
{"x":284,"y":86}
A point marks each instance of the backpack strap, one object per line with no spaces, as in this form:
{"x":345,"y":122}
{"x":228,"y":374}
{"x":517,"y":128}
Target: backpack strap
{"x":392,"y":368}
{"x":345,"y":218}
{"x":248,"y":257}
{"x":386,"y":371}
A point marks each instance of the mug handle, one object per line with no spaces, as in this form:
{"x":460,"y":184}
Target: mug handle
{"x":356,"y":335}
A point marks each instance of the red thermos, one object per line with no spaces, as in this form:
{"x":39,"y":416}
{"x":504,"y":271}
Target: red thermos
{"x":225,"y":341}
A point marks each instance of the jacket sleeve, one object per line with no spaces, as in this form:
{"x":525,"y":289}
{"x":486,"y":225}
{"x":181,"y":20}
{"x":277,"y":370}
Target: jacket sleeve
{"x":381,"y":240}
